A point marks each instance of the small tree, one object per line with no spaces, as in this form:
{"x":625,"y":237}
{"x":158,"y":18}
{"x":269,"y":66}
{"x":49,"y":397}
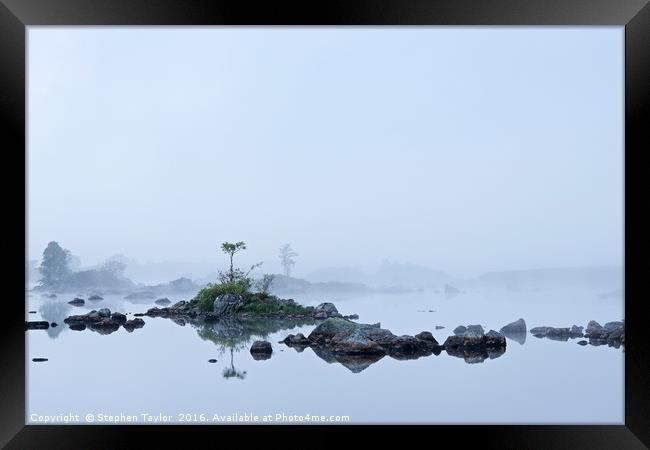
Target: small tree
{"x":54,"y":267}
{"x":286,"y":258}
{"x":230,"y":249}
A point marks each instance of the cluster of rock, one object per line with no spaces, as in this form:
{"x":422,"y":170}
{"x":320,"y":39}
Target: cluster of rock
{"x":339,"y":336}
{"x":474,"y":345}
{"x":103,"y":321}
{"x":230,"y":305}
{"x":612,"y":333}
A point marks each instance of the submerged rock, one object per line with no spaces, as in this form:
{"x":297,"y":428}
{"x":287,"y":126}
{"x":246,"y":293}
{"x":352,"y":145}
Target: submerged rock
{"x":37,"y":325}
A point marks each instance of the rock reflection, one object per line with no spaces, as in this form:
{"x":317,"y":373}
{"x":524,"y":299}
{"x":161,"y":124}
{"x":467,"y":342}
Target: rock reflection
{"x":476,"y":355}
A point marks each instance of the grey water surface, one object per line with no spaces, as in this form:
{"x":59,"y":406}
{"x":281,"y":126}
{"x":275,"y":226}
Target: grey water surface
{"x":163,"y":367}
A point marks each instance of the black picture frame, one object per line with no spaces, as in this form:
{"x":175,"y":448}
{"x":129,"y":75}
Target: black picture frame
{"x":634,"y":15}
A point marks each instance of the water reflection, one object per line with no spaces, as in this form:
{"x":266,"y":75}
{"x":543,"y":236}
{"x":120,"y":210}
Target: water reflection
{"x":235,"y":334}
{"x":53,"y":311}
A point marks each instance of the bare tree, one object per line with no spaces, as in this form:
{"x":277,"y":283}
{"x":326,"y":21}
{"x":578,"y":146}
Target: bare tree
{"x":286,"y":257}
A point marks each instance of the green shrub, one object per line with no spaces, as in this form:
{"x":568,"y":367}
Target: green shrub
{"x":205,"y":297}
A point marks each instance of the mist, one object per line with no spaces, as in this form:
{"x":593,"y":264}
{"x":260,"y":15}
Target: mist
{"x":460,"y":151}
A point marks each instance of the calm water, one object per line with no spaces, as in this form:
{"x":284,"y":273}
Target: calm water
{"x":163,"y":368}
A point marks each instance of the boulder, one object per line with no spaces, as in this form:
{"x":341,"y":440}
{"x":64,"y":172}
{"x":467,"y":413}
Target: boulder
{"x":104,"y":312}
{"x":354,"y":342}
{"x":460,"y":330}
{"x":593,"y":326}
{"x":227,"y":304}
{"x":261,"y":347}
{"x":328,"y":308}
{"x":516,"y":327}
{"x":297,"y":339}
{"x":426,"y":336}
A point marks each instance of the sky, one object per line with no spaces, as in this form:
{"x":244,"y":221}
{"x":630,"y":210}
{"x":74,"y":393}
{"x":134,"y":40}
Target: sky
{"x":461,"y":149}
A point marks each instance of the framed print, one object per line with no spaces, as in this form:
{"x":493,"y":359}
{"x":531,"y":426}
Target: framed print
{"x":326,"y":218}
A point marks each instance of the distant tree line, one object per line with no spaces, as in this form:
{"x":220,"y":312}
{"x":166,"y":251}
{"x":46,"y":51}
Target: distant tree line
{"x":56,"y":273}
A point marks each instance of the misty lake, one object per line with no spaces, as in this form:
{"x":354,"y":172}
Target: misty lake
{"x":163,"y":367}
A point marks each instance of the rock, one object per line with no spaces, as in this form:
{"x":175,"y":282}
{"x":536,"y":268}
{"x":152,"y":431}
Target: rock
{"x":494,"y":339}
{"x":354,"y":342}
{"x":227,"y":304}
{"x":460,"y":330}
{"x":162,"y":301}
{"x":557,"y":334}
{"x":576,"y":330}
{"x":37,"y":325}
{"x":474,"y":338}
{"x":261,"y":347}
{"x":439,"y":327}
{"x":324,"y":332}
{"x":105,"y":326}
{"x":118,"y":317}
{"x":474,"y":330}
{"x":212,"y":361}
{"x":138,"y":315}
{"x":411,"y":346}
{"x":515,"y":331}
{"x":54,"y":324}
{"x":39,"y":359}
{"x":104,"y":312}
{"x":518,"y":326}
{"x":320,"y":315}
{"x":132,"y":324}
{"x":426,"y":336}
{"x":583,"y":342}
{"x":298,"y":339}
{"x":77,"y":301}
{"x":327,"y":308}
{"x":593,"y":326}
{"x":612,"y":326}
{"x":77,"y":326}
{"x":32,"y":312}
{"x":95,"y":298}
